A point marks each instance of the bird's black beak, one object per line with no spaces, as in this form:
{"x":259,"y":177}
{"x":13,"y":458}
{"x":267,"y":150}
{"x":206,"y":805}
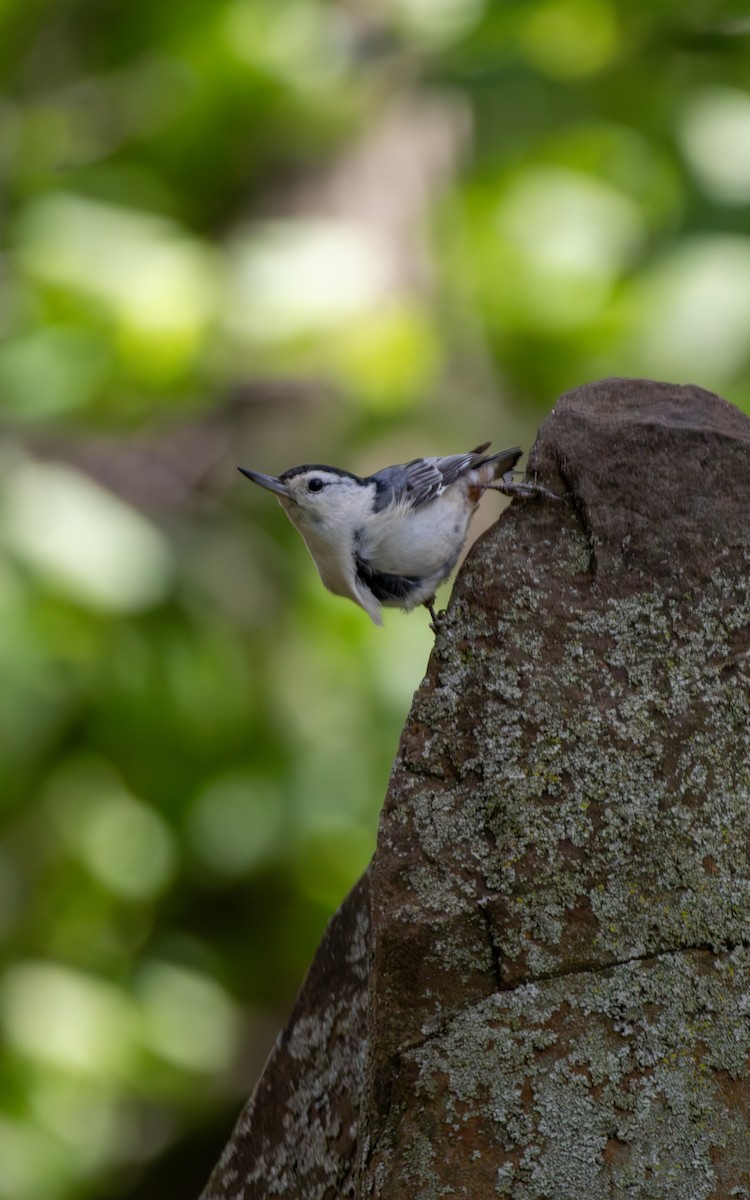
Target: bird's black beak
{"x":270,"y":482}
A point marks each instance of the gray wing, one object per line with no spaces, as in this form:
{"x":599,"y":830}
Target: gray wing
{"x":416,"y":483}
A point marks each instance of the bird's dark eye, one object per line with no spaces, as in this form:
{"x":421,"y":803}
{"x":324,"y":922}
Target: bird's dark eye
{"x":315,"y":485}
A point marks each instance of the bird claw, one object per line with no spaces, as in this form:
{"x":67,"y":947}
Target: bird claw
{"x":437,"y":618}
{"x":524,"y":489}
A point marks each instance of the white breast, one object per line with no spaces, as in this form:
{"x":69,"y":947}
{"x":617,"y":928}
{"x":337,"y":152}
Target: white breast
{"x":417,"y":542}
{"x":329,"y":536}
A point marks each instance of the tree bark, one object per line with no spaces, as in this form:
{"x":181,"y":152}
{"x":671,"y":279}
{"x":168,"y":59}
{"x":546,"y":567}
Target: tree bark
{"x":543,"y":989}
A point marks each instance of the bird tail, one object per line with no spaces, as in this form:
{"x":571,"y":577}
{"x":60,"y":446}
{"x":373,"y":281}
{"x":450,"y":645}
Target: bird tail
{"x":494,"y":466}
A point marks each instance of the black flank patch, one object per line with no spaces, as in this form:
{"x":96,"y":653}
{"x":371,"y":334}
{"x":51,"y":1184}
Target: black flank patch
{"x":386,"y":587}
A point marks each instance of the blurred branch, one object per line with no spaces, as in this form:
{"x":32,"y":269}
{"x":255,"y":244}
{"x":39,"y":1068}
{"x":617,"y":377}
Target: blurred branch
{"x":180,"y":466}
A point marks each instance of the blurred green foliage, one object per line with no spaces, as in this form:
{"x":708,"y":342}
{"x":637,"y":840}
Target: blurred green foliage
{"x":263,"y":232}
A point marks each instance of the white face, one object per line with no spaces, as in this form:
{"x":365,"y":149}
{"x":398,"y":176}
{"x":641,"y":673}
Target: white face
{"x":319,"y":497}
{"x":329,"y":508}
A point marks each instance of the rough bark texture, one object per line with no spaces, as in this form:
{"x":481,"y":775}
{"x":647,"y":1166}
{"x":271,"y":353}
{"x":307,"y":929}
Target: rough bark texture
{"x":559,"y":958}
{"x":297,"y":1135}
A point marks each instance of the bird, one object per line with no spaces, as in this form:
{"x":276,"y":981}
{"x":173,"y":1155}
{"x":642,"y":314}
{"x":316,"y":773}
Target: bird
{"x":390,"y":539}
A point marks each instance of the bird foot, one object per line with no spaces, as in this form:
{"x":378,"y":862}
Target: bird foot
{"x":525,"y":489}
{"x":437,"y":618}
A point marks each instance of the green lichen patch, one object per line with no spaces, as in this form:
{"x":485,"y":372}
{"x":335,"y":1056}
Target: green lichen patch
{"x":626,"y":1082}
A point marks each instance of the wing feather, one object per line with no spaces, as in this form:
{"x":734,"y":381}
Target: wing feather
{"x":417,"y":482}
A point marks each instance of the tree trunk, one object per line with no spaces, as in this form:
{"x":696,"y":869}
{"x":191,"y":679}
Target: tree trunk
{"x":543,"y":990}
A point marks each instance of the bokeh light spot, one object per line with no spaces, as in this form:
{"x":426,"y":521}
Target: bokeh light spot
{"x":49,"y":372}
{"x":565,"y":235}
{"x":189,"y":1019}
{"x":33,"y":1166}
{"x":695,"y":312}
{"x":82,"y":538}
{"x":62,"y":1016}
{"x":715,"y":137}
{"x":569,"y":38}
{"x":128,"y":846}
{"x":300,"y":41}
{"x":124,"y":843}
{"x":236,"y":822}
{"x":296,"y":276}
{"x":152,"y":280}
{"x":438,"y":21}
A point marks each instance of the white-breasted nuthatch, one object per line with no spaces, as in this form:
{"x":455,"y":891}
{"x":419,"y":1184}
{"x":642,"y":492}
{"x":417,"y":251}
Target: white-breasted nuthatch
{"x":393,"y":537}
